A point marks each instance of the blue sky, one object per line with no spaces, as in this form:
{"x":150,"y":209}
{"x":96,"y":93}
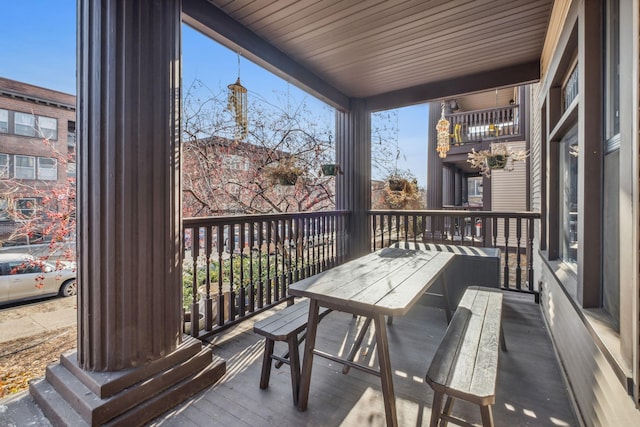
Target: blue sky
{"x":38,"y":42}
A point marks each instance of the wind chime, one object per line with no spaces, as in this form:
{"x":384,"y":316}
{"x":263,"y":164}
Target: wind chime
{"x":237,"y":104}
{"x":442,"y":127}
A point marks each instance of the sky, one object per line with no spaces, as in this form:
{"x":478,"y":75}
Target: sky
{"x":38,"y":45}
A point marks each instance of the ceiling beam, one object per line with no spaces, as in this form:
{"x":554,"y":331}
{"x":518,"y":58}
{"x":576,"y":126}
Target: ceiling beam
{"x":214,"y":23}
{"x":514,"y":75}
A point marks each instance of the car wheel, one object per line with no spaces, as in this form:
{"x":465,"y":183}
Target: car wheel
{"x":68,"y":288}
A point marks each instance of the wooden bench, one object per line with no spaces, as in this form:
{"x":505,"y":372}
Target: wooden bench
{"x":289,"y":325}
{"x":465,"y":365}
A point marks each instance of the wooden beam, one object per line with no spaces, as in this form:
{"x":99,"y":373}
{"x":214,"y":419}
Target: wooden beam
{"x":514,"y":75}
{"x":213,"y":22}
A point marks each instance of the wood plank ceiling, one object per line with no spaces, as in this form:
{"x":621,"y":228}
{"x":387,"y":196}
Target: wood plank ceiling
{"x":405,"y":51}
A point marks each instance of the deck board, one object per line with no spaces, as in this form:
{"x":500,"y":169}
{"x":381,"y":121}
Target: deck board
{"x":530,"y":389}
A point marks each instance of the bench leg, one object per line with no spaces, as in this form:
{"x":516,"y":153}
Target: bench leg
{"x":503,"y":342}
{"x":448,"y":407}
{"x":487,"y":416}
{"x":356,"y":344}
{"x":266,"y":363}
{"x":436,"y":408}
{"x":294,"y":364}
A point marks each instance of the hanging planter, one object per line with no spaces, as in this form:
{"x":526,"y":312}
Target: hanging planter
{"x":287,"y":179}
{"x":497,"y":161}
{"x":397,"y":184}
{"x":284,"y":172}
{"x":495,"y":158}
{"x":331,"y":169}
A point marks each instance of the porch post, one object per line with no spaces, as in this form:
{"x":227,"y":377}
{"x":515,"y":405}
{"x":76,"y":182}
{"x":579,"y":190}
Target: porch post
{"x":353,"y":188}
{"x":434,"y":162}
{"x":130,"y":345}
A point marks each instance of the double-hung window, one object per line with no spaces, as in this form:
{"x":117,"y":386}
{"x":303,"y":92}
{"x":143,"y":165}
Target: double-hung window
{"x":4,"y":166}
{"x":47,"y":127}
{"x":47,"y":169}
{"x":25,"y":167}
{"x":25,"y":124}
{"x":4,"y":121}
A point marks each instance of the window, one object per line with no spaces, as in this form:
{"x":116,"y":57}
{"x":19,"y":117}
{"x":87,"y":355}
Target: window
{"x":71,"y":170}
{"x":4,"y":121}
{"x":4,"y":209}
{"x":25,"y":208}
{"x":47,"y":127}
{"x":24,"y":267}
{"x":25,"y":167}
{"x":71,"y":137}
{"x":570,"y":88}
{"x":47,"y":169}
{"x":235,"y":162}
{"x":475,"y":186}
{"x":25,"y":124}
{"x":568,"y":180}
{"x":4,"y":166}
{"x":612,"y":70}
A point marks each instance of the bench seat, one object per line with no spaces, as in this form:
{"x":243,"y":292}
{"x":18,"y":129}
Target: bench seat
{"x":288,"y":325}
{"x":465,"y":364}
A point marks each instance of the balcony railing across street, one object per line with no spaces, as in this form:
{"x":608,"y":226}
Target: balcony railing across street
{"x":236,"y":266}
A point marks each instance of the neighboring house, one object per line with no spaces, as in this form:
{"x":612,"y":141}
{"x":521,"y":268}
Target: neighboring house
{"x":29,"y":167}
{"x":476,"y":122}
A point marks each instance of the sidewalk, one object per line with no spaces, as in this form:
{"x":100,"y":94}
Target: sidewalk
{"x":37,"y":317}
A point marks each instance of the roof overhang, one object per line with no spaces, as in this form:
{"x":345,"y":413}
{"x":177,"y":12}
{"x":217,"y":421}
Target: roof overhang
{"x":391,"y":53}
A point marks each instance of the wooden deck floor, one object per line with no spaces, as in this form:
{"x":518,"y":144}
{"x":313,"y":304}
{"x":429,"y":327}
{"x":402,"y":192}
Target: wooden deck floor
{"x":531,"y":391}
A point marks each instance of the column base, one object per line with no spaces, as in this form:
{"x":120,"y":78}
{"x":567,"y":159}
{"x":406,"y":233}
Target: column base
{"x":71,"y":396}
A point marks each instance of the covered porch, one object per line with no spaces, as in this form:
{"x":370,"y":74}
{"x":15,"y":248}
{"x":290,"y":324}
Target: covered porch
{"x":358,"y":57}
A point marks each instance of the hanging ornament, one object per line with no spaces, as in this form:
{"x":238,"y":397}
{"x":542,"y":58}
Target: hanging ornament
{"x":237,"y":104}
{"x":443,"y":135}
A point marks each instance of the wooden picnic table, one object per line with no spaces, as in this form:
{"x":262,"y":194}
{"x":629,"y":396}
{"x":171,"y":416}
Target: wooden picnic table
{"x":387,"y":282}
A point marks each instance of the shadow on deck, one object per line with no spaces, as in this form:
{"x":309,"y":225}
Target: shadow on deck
{"x":531,"y":390}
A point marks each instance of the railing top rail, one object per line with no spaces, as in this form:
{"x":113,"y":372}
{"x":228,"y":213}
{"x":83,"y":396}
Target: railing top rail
{"x":466,"y":113}
{"x":487,"y":214}
{"x":239,"y":219}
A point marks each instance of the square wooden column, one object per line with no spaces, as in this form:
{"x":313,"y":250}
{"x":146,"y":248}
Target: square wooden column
{"x":130,"y":363}
{"x":353,"y":188}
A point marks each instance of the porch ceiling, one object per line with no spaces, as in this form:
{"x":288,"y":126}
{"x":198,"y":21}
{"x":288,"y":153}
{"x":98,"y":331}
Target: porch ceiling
{"x":393,"y":52}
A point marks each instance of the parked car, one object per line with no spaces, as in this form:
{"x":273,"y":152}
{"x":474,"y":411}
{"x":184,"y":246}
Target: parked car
{"x":22,"y":277}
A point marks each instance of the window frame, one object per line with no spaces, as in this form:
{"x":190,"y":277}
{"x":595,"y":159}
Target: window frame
{"x":17,"y":125}
{"x":4,"y":169}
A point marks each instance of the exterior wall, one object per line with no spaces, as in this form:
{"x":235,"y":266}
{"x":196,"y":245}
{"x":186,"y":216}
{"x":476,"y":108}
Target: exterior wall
{"x":509,"y":193}
{"x":25,"y":98}
{"x":600,"y":366}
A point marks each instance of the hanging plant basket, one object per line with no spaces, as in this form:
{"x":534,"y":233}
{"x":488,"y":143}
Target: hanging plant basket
{"x":289,"y":179}
{"x":497,"y":161}
{"x":397,"y":184}
{"x":331,"y":169}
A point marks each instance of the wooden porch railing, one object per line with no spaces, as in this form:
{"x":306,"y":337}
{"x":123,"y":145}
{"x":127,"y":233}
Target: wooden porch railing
{"x":236,"y":266}
{"x":480,"y":125}
{"x":512,"y":232}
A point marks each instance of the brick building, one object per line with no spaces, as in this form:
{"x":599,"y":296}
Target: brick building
{"x":37,"y":152}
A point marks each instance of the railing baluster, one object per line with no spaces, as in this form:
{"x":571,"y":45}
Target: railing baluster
{"x":530,"y":232}
{"x":208,"y":302}
{"x":518,"y":254}
{"x":220,"y":297}
{"x":270,"y":285}
{"x":261,"y":256}
{"x":243,"y":291}
{"x":506,"y":252}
